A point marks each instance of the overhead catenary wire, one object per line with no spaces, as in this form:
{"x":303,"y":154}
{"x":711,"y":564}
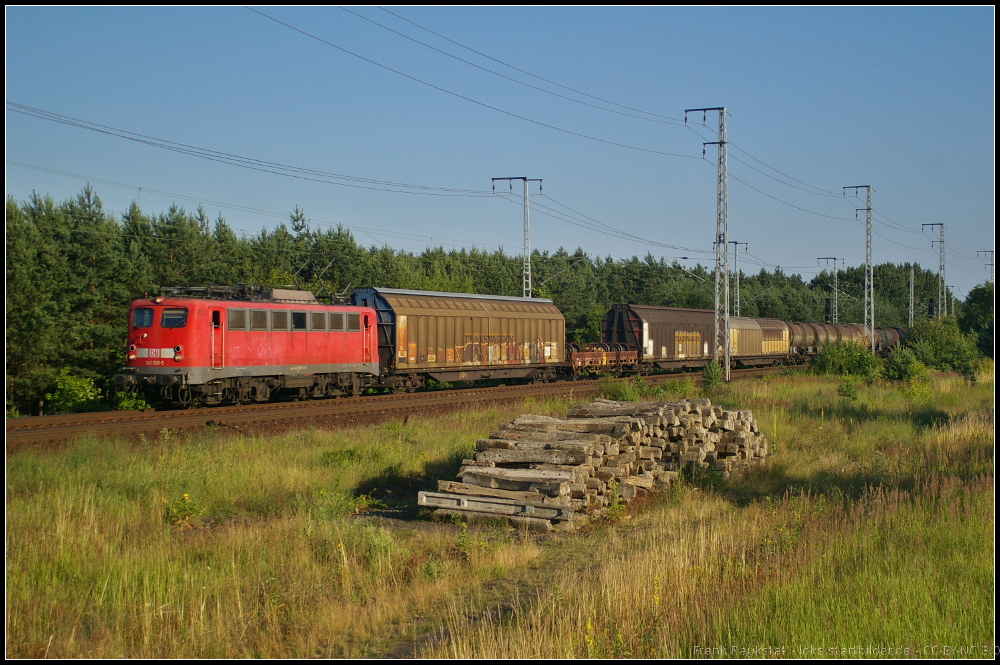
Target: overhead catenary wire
{"x":470,"y":99}
{"x":275,"y":168}
{"x":509,"y":78}
{"x":582,"y":221}
{"x":452,"y":242}
{"x":523,"y":71}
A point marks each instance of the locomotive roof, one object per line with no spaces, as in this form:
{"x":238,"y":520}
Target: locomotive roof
{"x":245,"y":292}
{"x":443,"y":294}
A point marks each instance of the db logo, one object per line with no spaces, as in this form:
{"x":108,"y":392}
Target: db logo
{"x":154,"y":353}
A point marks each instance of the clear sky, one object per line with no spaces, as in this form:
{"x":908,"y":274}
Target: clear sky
{"x":901,"y":99}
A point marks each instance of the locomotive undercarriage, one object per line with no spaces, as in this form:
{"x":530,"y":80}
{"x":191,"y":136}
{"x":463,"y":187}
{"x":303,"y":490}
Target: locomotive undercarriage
{"x":247,"y":390}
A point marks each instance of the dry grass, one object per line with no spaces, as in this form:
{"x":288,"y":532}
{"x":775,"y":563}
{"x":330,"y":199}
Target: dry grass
{"x":872,"y":529}
{"x":280,"y":561}
{"x":872,"y":525}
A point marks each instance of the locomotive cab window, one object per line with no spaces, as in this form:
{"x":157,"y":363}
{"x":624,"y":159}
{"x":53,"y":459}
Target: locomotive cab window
{"x":353,"y":322}
{"x":298,"y":320}
{"x":237,"y":319}
{"x":174,"y":318}
{"x":142,"y":317}
{"x":258,"y":319}
{"x":318,"y":321}
{"x":336,"y":321}
{"x":279,"y":320}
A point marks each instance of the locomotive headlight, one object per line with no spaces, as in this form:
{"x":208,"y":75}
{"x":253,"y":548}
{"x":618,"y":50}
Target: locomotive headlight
{"x":131,"y":356}
{"x":131,"y":347}
{"x":177,"y":349}
{"x":178,"y":357}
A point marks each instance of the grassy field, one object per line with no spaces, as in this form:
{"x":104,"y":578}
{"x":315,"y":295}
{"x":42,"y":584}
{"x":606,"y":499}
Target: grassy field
{"x":870,"y":532}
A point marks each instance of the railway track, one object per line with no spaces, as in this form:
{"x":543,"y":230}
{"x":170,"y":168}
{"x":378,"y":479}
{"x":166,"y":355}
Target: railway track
{"x":280,"y":416}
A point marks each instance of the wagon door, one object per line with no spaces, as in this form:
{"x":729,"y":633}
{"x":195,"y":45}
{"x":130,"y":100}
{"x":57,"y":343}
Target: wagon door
{"x":218,"y":339}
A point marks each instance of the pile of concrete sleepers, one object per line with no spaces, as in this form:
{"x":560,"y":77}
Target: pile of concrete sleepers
{"x":558,"y":473}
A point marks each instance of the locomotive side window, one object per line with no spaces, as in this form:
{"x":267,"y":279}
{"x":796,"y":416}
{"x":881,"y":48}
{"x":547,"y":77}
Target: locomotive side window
{"x":258,"y":319}
{"x":336,"y":321}
{"x":318,"y":321}
{"x":279,"y":320}
{"x":142,"y":317}
{"x":298,"y":320}
{"x":237,"y":319}
{"x":174,"y":318}
{"x":353,"y":322}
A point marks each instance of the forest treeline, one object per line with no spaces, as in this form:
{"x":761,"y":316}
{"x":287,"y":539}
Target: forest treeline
{"x":73,"y":268}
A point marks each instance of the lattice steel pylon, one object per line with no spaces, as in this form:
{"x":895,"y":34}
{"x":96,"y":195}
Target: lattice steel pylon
{"x":869,"y":268}
{"x":836,"y":286}
{"x":988,"y":255}
{"x":526,"y":259}
{"x":942,"y":289}
{"x":736,"y":270}
{"x":721,"y":243}
{"x":911,"y":296}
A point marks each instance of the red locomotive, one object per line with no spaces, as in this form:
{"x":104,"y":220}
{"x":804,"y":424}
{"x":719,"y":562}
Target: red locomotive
{"x":215,"y":344}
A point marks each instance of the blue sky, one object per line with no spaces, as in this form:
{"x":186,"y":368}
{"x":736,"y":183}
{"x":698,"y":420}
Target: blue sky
{"x":898,"y":98}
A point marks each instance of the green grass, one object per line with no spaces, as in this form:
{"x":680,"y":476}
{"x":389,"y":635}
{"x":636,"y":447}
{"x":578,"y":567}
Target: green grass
{"x":871,"y":525}
{"x":871,"y":528}
{"x":279,"y":559}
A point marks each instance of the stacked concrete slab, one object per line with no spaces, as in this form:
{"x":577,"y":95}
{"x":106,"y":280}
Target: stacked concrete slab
{"x":559,"y":473}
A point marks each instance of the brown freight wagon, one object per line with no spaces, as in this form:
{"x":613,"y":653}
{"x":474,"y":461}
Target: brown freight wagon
{"x":679,"y":337}
{"x":463,"y":336}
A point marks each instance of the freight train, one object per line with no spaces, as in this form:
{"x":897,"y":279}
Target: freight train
{"x":213,"y":345}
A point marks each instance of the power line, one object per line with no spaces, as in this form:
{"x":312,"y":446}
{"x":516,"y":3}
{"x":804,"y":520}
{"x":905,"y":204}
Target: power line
{"x":504,"y":76}
{"x":790,"y":205}
{"x":266,"y":213}
{"x":592,"y":226}
{"x":624,"y":233}
{"x":820,"y":191}
{"x":253,"y":164}
{"x":582,"y":220}
{"x":469,"y":99}
{"x":505,"y":64}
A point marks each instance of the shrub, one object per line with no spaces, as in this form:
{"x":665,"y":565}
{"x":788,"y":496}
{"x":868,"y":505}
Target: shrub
{"x":847,"y":358}
{"x":902,"y":365}
{"x":848,"y":390}
{"x":73,"y":394}
{"x":712,"y":374}
{"x":131,"y":401}
{"x":940,"y":345}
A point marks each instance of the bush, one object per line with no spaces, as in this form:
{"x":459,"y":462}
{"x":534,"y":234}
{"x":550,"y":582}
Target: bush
{"x":128,"y":401}
{"x":848,"y":390}
{"x":712,"y":374}
{"x":902,"y":365}
{"x":940,"y":345}
{"x":73,"y":394}
{"x":847,"y":358}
